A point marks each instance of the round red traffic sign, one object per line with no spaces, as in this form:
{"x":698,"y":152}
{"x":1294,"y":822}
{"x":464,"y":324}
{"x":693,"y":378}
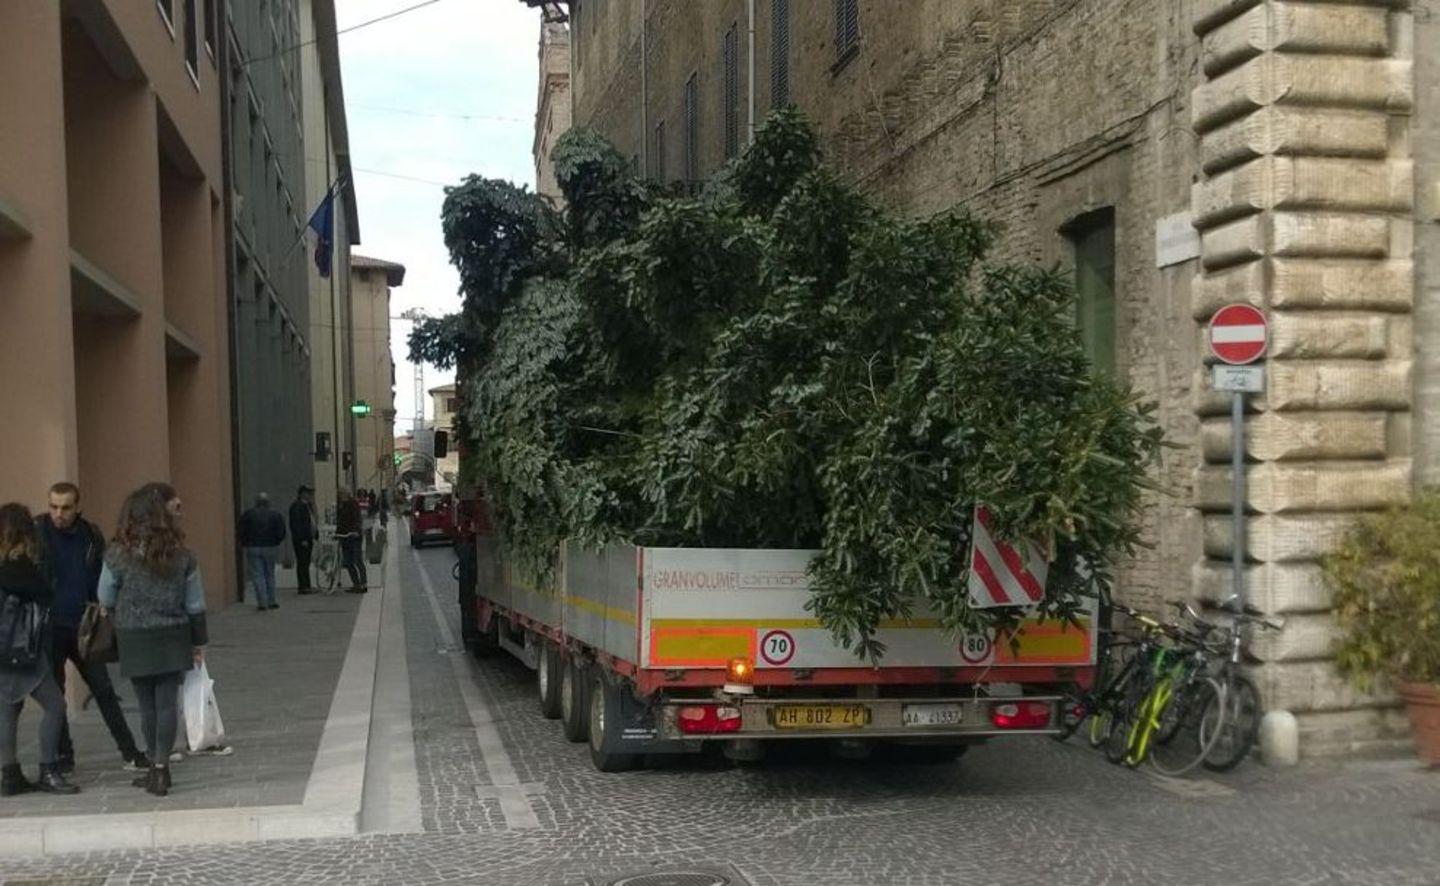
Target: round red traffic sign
{"x":1238,"y":334}
{"x":975,"y":648}
{"x":777,"y":647}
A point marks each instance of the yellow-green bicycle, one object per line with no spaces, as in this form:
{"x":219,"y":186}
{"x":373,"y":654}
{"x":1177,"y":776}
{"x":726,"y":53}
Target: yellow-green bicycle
{"x":1173,"y":716}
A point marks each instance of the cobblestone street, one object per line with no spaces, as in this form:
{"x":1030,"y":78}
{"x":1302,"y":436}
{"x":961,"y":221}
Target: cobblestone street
{"x":531,"y":809}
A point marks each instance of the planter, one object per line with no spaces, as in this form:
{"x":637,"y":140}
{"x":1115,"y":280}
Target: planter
{"x":1422,"y":703}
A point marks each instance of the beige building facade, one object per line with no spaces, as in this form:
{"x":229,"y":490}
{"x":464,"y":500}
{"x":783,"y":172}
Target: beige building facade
{"x":327,"y":170}
{"x":1179,"y":155}
{"x":113,"y":323}
{"x":374,"y":369}
{"x":445,"y":403}
{"x":552,"y":105}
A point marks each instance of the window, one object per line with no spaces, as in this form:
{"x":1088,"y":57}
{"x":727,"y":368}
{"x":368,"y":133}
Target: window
{"x":692,"y":130}
{"x":167,"y":12}
{"x":1092,"y":236}
{"x":452,"y":404}
{"x":729,"y":56}
{"x":779,"y":53}
{"x":847,"y":29}
{"x":192,"y":39}
{"x":212,"y":27}
{"x":657,"y":153}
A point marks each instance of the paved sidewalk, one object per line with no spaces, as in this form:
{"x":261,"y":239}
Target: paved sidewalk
{"x":274,"y":673}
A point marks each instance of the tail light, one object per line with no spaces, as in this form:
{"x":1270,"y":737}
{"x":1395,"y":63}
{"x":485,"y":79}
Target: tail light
{"x":1021,"y":715}
{"x":707,"y":719}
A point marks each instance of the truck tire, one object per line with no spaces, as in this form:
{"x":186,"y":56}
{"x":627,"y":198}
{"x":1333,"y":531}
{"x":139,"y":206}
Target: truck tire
{"x":547,"y":680}
{"x":604,"y":701}
{"x":574,"y":713}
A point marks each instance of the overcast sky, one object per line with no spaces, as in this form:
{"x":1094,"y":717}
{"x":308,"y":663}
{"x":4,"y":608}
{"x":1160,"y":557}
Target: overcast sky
{"x":434,"y":94}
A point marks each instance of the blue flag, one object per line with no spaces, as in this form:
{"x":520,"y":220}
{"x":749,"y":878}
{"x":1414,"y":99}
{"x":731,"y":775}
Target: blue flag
{"x":322,"y":222}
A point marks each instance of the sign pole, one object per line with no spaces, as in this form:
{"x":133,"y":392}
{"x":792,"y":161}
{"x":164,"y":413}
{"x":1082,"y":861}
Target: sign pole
{"x":1237,"y":466}
{"x":1238,"y":336}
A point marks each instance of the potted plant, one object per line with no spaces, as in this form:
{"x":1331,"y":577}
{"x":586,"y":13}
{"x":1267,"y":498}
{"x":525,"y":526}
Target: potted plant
{"x":1386,"y":578}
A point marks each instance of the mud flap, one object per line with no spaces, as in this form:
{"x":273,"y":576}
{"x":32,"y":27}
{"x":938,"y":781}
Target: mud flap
{"x":639,"y":733}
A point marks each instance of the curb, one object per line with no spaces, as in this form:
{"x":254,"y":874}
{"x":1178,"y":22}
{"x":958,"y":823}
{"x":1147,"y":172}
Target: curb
{"x":331,"y":807}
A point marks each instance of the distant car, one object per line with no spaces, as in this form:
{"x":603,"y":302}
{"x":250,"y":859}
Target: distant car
{"x":432,"y":518}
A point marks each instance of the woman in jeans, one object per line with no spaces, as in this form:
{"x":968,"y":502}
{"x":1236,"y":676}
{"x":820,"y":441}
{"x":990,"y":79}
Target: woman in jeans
{"x":152,"y":583}
{"x":23,"y":576}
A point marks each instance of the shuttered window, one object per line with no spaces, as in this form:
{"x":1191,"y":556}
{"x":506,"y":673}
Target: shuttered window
{"x":1093,"y":238}
{"x":692,"y":129}
{"x":779,"y":53}
{"x":730,"y":76}
{"x":192,"y":38}
{"x":847,"y":28}
{"x":657,"y":153}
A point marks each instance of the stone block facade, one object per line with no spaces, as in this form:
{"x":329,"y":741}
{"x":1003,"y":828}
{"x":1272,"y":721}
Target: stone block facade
{"x":1282,"y":131}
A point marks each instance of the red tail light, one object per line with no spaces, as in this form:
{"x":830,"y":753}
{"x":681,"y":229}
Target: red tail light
{"x":1021,"y":715}
{"x":707,"y":719}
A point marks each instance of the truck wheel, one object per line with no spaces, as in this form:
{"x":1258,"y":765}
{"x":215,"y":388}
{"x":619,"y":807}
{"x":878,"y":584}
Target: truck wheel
{"x":604,"y":703}
{"x":548,"y":679}
{"x":574,"y":721}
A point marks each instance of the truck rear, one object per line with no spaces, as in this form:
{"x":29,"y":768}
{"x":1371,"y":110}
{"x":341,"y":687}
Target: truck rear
{"x":645,"y":650}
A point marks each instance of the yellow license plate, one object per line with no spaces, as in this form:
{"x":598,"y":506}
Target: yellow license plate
{"x":821,"y":716}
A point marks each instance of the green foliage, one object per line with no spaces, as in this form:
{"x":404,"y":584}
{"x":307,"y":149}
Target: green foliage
{"x":779,"y":363}
{"x":1385,"y":576}
{"x":439,"y":341}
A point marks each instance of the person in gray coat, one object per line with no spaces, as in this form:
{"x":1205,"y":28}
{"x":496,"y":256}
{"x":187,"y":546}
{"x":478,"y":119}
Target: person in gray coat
{"x":151,"y":581}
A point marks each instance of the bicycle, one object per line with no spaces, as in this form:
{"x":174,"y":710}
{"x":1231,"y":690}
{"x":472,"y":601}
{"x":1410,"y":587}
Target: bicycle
{"x":328,"y":561}
{"x":1239,"y":720}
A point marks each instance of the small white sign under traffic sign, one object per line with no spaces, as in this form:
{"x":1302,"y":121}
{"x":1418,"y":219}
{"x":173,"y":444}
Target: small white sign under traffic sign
{"x":1238,"y":379}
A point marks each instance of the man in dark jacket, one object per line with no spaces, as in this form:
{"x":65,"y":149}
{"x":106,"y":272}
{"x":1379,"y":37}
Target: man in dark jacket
{"x":262,"y":531}
{"x":74,"y":547}
{"x":302,"y":535}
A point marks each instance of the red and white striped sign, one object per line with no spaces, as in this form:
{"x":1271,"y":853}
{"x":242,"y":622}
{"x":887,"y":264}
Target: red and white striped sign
{"x":1238,"y":334}
{"x":1001,"y":574}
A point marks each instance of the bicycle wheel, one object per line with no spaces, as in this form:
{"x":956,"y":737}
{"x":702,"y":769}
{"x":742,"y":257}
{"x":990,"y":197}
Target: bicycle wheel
{"x":1183,"y":737}
{"x":1101,"y":722}
{"x":1239,"y":728}
{"x":327,"y":571}
{"x":1124,"y":714}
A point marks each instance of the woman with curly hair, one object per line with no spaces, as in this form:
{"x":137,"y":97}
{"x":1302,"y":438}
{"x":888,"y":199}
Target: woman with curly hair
{"x":152,"y":582}
{"x":23,"y":575}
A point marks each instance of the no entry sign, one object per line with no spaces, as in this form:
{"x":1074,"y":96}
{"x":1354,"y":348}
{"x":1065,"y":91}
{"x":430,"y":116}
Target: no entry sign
{"x":1238,"y":334}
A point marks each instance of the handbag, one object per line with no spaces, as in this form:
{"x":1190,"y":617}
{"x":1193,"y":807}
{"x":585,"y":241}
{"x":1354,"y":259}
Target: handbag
{"x":96,"y":639}
{"x":23,"y":627}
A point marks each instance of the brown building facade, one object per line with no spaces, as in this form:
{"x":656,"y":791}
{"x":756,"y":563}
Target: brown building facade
{"x":113,"y":328}
{"x":1178,"y":155}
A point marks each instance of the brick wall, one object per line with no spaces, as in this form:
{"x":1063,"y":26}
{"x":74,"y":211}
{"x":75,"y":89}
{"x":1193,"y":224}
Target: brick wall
{"x":1035,"y":112}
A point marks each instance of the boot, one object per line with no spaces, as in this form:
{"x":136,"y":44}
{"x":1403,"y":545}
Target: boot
{"x":52,"y":781}
{"x":13,"y":781}
{"x":159,"y":781}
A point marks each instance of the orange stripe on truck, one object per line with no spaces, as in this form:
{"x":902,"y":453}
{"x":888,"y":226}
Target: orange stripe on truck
{"x":700,"y":647}
{"x":1050,"y":642}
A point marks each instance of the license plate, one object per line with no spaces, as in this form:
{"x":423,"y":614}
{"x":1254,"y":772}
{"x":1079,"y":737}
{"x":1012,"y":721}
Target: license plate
{"x":932,"y":714}
{"x":821,"y":716}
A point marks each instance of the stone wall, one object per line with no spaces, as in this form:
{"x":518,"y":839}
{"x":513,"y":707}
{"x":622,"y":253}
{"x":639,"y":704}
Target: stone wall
{"x":1304,"y":203}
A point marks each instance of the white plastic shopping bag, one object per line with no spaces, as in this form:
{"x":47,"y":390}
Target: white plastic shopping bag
{"x":203,"y":728}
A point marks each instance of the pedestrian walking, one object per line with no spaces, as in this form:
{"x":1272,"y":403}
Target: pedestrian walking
{"x":75,"y":550}
{"x":348,"y":528}
{"x":262,"y":531}
{"x":302,"y":535}
{"x":384,"y":507}
{"x":152,"y":583}
{"x":25,"y":583}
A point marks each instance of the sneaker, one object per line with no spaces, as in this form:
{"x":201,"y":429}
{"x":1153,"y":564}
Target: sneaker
{"x":137,"y":762}
{"x":219,"y":750}
{"x":176,"y":756}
